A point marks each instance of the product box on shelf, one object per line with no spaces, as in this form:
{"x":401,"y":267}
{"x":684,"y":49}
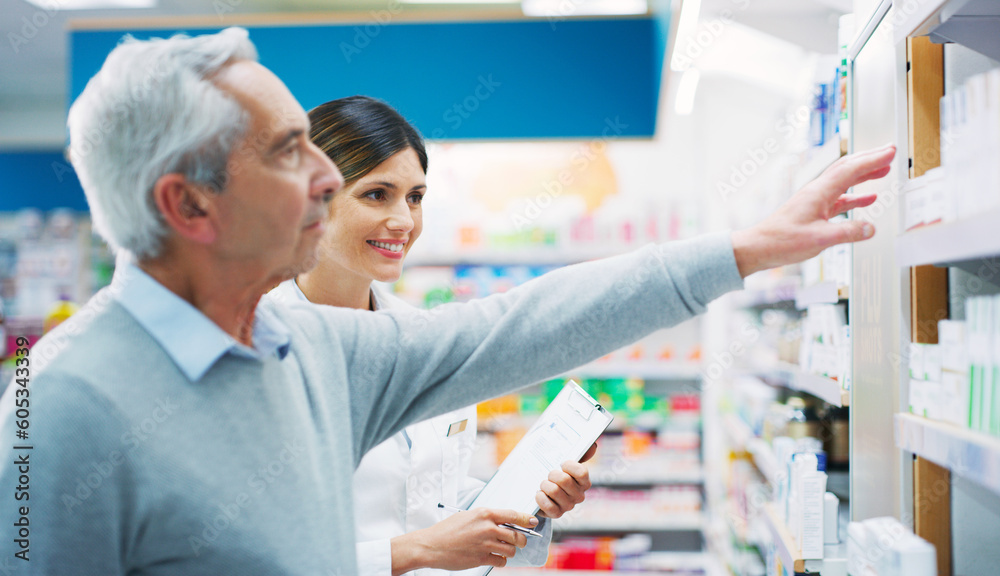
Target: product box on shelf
{"x":884,"y":547}
{"x":970,"y":144}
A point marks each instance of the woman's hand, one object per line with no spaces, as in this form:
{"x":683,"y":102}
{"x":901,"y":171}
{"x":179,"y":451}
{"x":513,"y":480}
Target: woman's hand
{"x":799,"y":229}
{"x":463,"y":540}
{"x":565,"y":488}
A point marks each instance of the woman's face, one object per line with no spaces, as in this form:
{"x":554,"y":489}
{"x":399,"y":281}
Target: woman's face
{"x":374,"y":221}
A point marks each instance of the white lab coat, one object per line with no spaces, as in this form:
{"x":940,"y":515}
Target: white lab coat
{"x":398,"y":484}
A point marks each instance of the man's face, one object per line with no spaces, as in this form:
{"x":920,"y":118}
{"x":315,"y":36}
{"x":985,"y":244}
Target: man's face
{"x":270,"y":216}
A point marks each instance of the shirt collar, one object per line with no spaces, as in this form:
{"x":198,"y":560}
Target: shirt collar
{"x":191,"y":340}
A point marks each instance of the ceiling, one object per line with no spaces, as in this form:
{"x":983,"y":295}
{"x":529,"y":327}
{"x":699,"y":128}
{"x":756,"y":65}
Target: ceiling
{"x":33,"y":77}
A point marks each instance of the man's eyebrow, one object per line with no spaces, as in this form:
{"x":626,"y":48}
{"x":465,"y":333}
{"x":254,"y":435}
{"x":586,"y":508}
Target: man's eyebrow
{"x":288,"y":137}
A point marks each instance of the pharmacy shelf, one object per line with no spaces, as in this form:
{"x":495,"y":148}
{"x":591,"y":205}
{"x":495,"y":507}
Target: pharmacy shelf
{"x":828,"y":292}
{"x":819,"y":160}
{"x":679,"y":522}
{"x":964,"y":240}
{"x":833,"y":563}
{"x":643,"y":370}
{"x":972,"y":23}
{"x":967,"y":453}
{"x":738,"y":430}
{"x":793,"y":377}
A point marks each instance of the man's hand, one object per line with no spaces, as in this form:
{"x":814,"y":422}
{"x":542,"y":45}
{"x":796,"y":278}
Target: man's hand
{"x":564,"y":488}
{"x":463,"y":540}
{"x":799,"y":229}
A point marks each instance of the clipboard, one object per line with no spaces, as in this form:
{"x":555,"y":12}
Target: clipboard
{"x":567,"y":428}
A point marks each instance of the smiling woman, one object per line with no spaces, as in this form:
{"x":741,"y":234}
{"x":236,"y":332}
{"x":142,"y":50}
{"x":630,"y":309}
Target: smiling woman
{"x":373,"y":222}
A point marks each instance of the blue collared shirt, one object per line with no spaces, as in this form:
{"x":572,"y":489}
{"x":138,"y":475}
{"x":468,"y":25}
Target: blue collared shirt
{"x":191,"y":340}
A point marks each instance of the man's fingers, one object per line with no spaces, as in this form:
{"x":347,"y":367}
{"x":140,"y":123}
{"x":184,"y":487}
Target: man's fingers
{"x":841,"y":232}
{"x":513,"y":517}
{"x":497,"y":561}
{"x":850,"y":202}
{"x":857,"y":168}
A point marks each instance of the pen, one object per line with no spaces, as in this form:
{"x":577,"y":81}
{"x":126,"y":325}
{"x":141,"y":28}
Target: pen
{"x":514,"y":527}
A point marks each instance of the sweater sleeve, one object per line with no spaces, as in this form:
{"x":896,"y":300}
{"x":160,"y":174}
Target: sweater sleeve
{"x":76,"y":479}
{"x":430,"y":362}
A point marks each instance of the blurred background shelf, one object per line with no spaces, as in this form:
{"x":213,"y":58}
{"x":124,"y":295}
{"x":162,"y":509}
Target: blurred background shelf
{"x":645,"y":370}
{"x":675,"y":522}
{"x":823,"y":293}
{"x":792,"y":376}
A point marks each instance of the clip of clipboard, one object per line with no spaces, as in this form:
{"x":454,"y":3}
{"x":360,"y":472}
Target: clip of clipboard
{"x":567,"y":428}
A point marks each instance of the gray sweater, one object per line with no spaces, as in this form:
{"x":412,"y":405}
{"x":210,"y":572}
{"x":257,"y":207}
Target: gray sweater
{"x":135,"y":469}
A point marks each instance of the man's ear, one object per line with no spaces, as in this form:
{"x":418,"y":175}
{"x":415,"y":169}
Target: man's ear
{"x":185,"y":207}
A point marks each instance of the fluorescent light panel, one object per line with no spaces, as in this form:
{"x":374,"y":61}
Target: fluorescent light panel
{"x":568,"y":8}
{"x":91,"y":4}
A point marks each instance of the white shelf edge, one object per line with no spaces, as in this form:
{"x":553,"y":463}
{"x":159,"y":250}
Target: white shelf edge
{"x":967,"y":453}
{"x":826,"y":389}
{"x":963,"y":240}
{"x":781,"y":539}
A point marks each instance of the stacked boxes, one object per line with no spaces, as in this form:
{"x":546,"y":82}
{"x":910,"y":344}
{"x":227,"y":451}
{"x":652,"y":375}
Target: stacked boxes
{"x":958,"y":380}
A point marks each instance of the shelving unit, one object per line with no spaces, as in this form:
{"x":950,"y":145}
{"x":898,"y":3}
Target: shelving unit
{"x":949,"y":243}
{"x":905,"y":465}
{"x":966,"y":453}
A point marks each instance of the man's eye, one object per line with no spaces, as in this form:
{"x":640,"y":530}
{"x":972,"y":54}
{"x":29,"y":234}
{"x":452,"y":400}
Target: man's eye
{"x":416,"y":198}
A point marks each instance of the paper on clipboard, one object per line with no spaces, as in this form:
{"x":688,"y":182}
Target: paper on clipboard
{"x":565,"y":431}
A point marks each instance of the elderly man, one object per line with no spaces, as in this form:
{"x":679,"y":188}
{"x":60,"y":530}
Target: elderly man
{"x":181,"y":424}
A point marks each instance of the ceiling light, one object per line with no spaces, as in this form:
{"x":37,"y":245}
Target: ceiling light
{"x":459,"y":1}
{"x":687,"y":24}
{"x":568,"y":8}
{"x":91,"y":4}
{"x":686,"y":90}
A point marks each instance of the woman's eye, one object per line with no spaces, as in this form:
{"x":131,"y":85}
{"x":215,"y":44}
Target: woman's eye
{"x":375,"y":195}
{"x":416,"y":198}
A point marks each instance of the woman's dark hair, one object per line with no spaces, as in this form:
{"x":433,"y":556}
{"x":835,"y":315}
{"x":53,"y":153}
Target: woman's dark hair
{"x":358,"y":133}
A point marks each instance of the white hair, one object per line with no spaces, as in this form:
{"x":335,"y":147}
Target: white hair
{"x":153,"y":110}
